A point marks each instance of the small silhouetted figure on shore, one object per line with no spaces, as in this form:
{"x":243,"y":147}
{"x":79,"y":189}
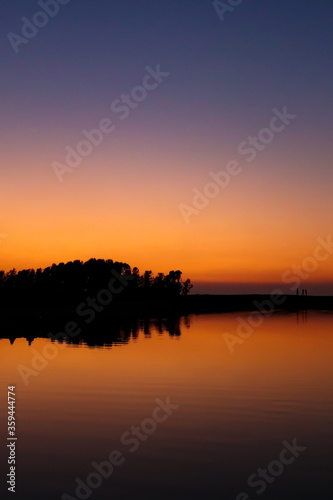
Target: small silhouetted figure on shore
{"x":297,"y":291}
{"x":306,"y":292}
{"x":302,"y":291}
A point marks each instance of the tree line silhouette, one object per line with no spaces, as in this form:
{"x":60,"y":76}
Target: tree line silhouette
{"x":74,"y":281}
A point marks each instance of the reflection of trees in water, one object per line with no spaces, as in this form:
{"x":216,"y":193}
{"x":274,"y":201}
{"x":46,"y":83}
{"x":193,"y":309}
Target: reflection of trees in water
{"x":171,"y":325}
{"x":302,"y":316}
{"x":108,"y":334}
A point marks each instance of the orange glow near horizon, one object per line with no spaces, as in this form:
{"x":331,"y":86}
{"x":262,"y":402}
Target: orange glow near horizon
{"x":244,"y":235}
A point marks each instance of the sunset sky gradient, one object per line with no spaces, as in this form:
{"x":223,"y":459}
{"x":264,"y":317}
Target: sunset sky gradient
{"x":122,"y":201}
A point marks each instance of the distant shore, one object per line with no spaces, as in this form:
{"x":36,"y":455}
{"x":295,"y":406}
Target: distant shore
{"x":191,"y":304}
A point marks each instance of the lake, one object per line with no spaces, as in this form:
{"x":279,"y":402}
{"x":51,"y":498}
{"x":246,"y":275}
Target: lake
{"x":168,"y":411}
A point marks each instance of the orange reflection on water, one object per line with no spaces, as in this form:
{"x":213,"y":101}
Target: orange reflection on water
{"x":277,"y":384}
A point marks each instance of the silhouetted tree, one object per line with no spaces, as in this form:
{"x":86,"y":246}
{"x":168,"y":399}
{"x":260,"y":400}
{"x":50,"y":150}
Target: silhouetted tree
{"x":72,"y":282}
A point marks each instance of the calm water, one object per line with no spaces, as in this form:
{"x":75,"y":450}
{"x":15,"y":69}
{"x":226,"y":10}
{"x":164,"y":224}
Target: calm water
{"x":234,"y":411}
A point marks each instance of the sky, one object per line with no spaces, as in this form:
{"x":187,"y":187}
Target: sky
{"x":180,"y":89}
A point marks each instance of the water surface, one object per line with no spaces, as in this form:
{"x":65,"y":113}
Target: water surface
{"x":235,"y":410}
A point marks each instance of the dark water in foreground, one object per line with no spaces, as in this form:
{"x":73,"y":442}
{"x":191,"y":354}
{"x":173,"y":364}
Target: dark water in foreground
{"x":231,"y":413}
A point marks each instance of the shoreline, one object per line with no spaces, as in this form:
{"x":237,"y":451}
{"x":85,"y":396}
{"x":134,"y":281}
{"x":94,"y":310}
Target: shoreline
{"x":196,"y":304}
{"x":182,"y":305}
{"x":118,"y":320}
